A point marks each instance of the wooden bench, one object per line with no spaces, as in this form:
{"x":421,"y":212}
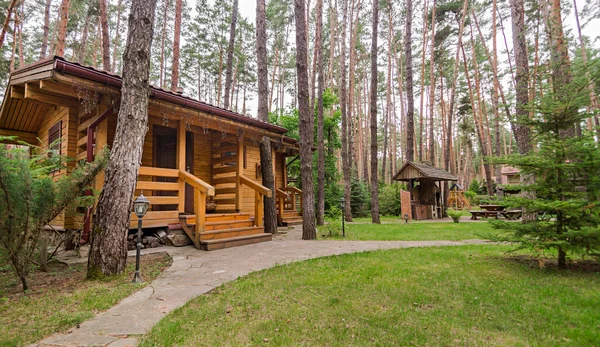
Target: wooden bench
{"x":512,"y":214}
{"x":484,"y":214}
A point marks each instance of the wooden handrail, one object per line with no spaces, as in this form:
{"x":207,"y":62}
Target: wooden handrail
{"x":157,"y":171}
{"x":259,"y":188}
{"x":280,"y":193}
{"x":197,"y":183}
{"x":292,"y":189}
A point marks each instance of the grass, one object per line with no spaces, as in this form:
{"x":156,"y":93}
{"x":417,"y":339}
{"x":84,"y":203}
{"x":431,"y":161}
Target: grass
{"x":468,"y":295}
{"x":62,"y":298}
{"x":412,"y":231}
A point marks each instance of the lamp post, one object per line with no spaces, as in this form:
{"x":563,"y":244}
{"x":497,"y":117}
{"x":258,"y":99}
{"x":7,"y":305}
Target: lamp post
{"x":140,"y":207}
{"x":343,"y":204}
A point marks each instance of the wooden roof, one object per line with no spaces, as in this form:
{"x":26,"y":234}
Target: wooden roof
{"x":37,"y":88}
{"x":416,"y":171}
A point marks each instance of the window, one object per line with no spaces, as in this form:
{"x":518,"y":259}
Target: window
{"x":54,"y":135}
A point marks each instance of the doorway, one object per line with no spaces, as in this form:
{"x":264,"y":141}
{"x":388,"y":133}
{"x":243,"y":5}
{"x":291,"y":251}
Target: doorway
{"x":165,"y":156}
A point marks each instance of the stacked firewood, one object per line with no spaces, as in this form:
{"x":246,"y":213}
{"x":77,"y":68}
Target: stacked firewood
{"x":158,"y":238}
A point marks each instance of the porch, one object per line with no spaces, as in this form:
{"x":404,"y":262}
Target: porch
{"x":209,"y":185}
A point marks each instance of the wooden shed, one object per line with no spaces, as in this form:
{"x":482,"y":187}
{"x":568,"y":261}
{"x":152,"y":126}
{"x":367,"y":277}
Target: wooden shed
{"x":425,"y":195}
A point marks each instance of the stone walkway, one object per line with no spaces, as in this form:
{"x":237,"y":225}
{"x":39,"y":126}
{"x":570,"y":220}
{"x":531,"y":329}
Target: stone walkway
{"x":195,"y":272}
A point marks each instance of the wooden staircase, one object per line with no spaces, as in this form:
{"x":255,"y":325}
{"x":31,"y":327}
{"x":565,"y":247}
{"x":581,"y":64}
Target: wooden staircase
{"x":223,"y":230}
{"x":291,"y":217}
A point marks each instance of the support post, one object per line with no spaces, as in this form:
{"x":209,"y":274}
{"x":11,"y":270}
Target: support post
{"x":181,"y":146}
{"x":200,"y":203}
{"x":239,"y":170}
{"x":258,"y":209}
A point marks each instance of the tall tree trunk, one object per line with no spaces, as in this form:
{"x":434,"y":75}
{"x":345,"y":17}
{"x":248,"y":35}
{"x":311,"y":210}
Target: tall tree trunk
{"x":521,"y":130}
{"x":268,"y":180}
{"x":344,"y":109}
{"x":410,"y":102}
{"x":176,"y":37}
{"x":432,"y":86}
{"x":423,"y":133}
{"x":117,"y":38}
{"x":62,"y":27}
{"x":495,"y":100}
{"x":320,"y":117}
{"x":230,"y":53}
{"x":46,"y":29}
{"x":108,"y":250}
{"x":374,"y":180}
{"x":263,"y":113}
{"x":309,"y":231}
{"x":261,"y":61}
{"x":9,"y":10}
{"x":594,"y":105}
{"x":105,"y":37}
{"x":161,"y":77}
{"x":84,"y":39}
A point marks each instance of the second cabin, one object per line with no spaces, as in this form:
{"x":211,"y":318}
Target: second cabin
{"x":200,"y":165}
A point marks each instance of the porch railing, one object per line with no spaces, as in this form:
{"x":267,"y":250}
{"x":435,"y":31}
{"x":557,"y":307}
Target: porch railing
{"x":158,"y":218}
{"x":259,"y":192}
{"x":292,"y":202}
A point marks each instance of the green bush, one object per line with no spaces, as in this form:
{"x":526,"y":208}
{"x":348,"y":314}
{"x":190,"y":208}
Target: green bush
{"x":389,"y":200}
{"x":454,"y":214}
{"x":30,"y":198}
{"x":360,"y":198}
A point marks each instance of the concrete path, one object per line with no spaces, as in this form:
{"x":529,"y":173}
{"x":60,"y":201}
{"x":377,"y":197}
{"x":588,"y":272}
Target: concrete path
{"x":195,"y":272}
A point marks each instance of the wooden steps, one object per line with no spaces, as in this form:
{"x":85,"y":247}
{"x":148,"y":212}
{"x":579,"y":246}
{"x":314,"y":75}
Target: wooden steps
{"x":211,"y":245}
{"x":224,"y":230}
{"x":291,"y":217}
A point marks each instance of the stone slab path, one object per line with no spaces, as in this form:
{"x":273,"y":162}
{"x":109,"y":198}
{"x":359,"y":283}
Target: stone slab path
{"x":195,"y":272}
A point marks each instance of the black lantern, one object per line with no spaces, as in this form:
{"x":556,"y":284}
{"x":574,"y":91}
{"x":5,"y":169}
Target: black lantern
{"x":140,"y":207}
{"x":343,"y":204}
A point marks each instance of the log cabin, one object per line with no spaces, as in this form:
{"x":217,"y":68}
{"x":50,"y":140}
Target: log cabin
{"x":200,"y":166}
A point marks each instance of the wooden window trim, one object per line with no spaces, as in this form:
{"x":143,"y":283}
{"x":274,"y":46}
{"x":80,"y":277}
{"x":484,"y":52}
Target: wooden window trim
{"x":55,"y":133}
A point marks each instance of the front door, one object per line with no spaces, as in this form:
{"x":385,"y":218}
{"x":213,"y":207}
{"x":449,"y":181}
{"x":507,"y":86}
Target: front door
{"x":165,"y":156}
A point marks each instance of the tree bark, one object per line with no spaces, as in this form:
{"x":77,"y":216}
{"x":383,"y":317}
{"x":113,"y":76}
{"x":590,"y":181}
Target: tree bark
{"x":410,"y":102}
{"x":268,"y":180}
{"x":62,"y":27}
{"x":320,"y":117}
{"x":84,"y":39}
{"x":105,"y":37}
{"x":306,"y":126}
{"x":117,"y":38}
{"x":11,"y":7}
{"x":263,"y":115}
{"x":344,"y":109}
{"x":431,"y":143}
{"x":261,"y":61}
{"x":521,"y":130}
{"x":46,"y":29}
{"x":229,"y":68}
{"x":374,"y":180}
{"x":161,"y":78}
{"x":423,"y":133}
{"x":177,"y":36}
{"x":108,"y":250}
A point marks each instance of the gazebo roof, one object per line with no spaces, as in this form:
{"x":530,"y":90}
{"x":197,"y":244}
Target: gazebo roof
{"x":416,"y":171}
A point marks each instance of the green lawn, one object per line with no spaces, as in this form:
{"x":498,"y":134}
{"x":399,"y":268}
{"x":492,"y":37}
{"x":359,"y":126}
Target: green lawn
{"x":468,"y":295}
{"x":62,"y":298}
{"x":413,"y":231}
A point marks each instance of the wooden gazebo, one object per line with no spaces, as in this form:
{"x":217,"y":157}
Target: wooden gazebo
{"x":425,"y":195}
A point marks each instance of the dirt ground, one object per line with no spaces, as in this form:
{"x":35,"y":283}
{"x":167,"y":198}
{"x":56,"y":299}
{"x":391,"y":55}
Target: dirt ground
{"x":60,"y":276}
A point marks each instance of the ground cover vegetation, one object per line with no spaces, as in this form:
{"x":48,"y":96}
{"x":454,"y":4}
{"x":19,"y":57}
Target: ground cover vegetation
{"x":398,"y":230}
{"x":470,"y":295}
{"x":61,"y":297}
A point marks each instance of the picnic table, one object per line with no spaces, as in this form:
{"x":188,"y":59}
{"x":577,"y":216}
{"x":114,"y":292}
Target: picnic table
{"x":495,"y":211}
